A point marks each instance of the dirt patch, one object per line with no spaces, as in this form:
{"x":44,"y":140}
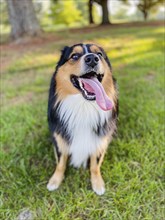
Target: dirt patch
{"x":13,"y":50}
{"x":150,"y":76}
{"x":29,"y":42}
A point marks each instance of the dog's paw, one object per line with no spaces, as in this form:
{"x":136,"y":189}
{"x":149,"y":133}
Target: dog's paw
{"x":99,"y":191}
{"x":52,"y":186}
{"x":54,"y":182}
{"x":98,"y":186}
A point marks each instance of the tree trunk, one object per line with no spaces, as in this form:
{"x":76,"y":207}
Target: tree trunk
{"x":22,"y":19}
{"x":145,"y":14}
{"x":90,"y":6}
{"x":105,"y":13}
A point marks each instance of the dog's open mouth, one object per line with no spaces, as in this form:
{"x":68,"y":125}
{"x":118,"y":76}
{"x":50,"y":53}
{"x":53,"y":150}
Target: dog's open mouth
{"x":91,"y":88}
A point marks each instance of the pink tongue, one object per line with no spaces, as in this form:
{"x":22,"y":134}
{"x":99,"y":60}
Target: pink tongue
{"x":94,"y":86}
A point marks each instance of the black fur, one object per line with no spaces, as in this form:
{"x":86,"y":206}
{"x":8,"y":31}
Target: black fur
{"x":56,"y":148}
{"x":98,"y":159}
{"x":55,"y":124}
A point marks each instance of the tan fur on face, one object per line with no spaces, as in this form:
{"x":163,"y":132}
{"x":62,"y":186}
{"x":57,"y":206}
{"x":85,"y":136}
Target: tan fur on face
{"x":64,"y":87}
{"x":77,"y":49}
{"x":94,"y":49}
{"x":108,"y":83}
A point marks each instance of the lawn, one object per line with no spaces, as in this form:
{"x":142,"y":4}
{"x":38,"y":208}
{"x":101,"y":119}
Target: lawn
{"x":133,"y":165}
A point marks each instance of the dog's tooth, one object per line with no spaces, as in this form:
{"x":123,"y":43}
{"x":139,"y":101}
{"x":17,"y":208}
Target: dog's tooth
{"x":81,"y":85}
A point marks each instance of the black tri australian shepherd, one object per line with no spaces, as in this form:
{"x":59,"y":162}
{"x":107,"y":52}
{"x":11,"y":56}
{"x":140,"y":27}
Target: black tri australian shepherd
{"x":82,"y":111}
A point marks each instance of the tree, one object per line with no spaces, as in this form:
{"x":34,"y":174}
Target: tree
{"x":22,"y":19}
{"x":105,"y":12}
{"x":105,"y":18}
{"x":146,"y":5}
{"x":90,"y":7}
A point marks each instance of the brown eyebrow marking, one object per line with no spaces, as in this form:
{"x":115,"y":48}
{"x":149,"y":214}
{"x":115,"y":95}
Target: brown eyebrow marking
{"x":77,"y":49}
{"x":94,"y":49}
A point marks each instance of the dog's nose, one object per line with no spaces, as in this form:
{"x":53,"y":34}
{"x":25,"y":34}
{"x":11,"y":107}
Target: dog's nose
{"x":91,"y":60}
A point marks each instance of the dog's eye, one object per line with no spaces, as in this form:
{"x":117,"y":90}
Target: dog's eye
{"x":100,"y":54}
{"x":75,"y":56}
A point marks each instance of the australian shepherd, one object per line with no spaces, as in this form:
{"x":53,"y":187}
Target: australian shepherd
{"x":82,"y":111}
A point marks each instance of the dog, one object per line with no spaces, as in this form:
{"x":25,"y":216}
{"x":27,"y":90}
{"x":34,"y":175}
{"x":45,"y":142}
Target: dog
{"x":82,"y":111}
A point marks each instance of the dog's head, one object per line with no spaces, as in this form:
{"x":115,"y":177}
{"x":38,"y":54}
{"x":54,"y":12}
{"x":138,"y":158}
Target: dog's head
{"x":85,"y":69}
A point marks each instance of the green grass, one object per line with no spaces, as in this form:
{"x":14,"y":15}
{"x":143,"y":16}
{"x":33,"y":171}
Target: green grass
{"x":133,"y":166}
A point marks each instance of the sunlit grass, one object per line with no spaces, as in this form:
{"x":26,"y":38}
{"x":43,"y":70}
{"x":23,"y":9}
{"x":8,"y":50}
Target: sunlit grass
{"x":29,"y":61}
{"x":133,"y":166}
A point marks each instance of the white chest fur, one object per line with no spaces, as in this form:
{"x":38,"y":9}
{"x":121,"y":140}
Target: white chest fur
{"x":82,"y":117}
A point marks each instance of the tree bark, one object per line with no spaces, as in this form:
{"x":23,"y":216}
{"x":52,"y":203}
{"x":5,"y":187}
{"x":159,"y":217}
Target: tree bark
{"x":145,"y":13}
{"x":105,"y":13}
{"x":22,"y":19}
{"x":90,"y":6}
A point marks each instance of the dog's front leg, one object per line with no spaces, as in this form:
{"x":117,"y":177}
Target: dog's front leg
{"x":58,"y":175}
{"x":97,"y":181}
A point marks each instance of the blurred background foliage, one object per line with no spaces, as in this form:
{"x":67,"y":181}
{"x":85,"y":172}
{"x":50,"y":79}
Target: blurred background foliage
{"x":60,"y":14}
{"x":67,"y":11}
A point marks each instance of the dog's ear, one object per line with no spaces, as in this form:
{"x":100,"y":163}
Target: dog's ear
{"x":64,"y":51}
{"x":64,"y":55}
